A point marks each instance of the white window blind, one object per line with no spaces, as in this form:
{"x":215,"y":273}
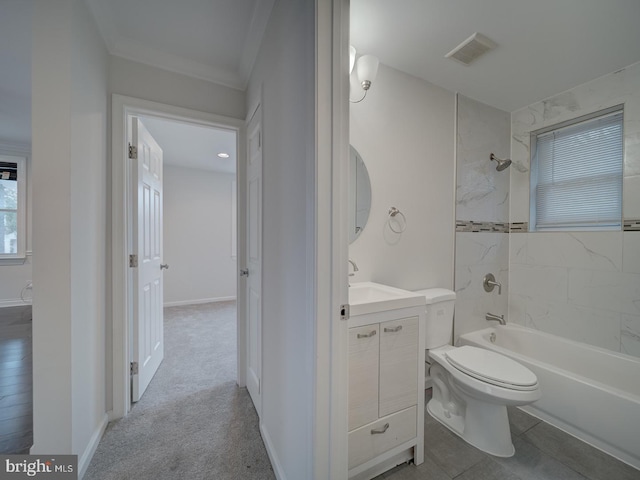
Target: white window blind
{"x":576,"y":176}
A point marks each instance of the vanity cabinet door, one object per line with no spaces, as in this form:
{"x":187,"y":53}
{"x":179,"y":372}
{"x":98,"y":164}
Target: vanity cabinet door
{"x":398,"y":365}
{"x":364,"y":343}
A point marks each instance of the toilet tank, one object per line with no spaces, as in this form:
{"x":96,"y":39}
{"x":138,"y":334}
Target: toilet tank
{"x":439,"y":324}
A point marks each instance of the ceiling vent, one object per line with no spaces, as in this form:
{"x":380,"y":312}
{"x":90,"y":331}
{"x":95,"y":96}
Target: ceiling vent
{"x":473,"y":47}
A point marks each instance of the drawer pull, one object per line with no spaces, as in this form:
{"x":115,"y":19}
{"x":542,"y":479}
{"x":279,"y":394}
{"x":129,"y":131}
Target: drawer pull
{"x":367,"y":335}
{"x":377,"y":431}
{"x":392,"y":330}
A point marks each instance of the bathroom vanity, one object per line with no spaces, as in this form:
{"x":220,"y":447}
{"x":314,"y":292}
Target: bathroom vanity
{"x":386,"y":378}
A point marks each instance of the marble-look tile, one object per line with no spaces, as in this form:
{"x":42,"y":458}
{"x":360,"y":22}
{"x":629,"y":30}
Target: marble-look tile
{"x":482,"y":248}
{"x":518,"y":248}
{"x":530,"y":463}
{"x":631,"y":252}
{"x":630,"y":335}
{"x":517,"y":309}
{"x":482,"y":193}
{"x":631,"y":197}
{"x":591,"y":250}
{"x":614,"y":291}
{"x":581,"y":457}
{"x":540,"y":282}
{"x":587,"y":325}
{"x":488,"y":469}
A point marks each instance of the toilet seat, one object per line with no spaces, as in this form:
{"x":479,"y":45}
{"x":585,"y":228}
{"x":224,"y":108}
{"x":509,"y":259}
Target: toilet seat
{"x":492,"y":368}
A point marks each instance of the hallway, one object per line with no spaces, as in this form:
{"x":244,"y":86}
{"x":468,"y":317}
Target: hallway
{"x":193,"y":421}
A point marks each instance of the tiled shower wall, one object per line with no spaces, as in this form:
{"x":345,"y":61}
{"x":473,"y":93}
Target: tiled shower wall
{"x":482,"y":213}
{"x":580,"y":285}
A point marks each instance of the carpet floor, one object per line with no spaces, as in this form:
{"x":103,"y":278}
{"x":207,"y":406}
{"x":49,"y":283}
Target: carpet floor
{"x":193,"y":422}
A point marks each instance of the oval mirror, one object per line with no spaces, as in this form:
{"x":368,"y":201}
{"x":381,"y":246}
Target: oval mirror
{"x":359,"y":194}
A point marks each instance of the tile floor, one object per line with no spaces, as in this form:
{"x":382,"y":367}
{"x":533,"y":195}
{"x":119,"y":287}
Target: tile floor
{"x":542,"y":453}
{"x":16,"y":417}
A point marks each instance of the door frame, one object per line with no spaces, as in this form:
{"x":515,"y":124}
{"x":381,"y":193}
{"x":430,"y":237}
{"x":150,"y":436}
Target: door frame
{"x":122,"y":108}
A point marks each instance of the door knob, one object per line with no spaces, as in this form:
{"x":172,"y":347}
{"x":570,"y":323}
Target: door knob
{"x":164,"y":266}
{"x":244,"y":272}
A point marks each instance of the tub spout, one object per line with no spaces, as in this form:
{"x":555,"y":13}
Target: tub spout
{"x":500,"y":319}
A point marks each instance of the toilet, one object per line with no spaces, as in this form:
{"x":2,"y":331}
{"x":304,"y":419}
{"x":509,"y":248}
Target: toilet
{"x":472,"y":386}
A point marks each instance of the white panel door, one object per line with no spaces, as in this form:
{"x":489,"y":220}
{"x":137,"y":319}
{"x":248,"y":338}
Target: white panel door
{"x":254,"y":258}
{"x":147,"y":334}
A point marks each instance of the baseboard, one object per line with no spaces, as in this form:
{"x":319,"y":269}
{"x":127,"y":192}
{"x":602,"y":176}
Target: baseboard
{"x":13,"y":302}
{"x":268,"y":443}
{"x":85,"y":459}
{"x":198,"y":301}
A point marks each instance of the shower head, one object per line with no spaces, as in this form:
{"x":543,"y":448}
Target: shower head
{"x":502,"y":164}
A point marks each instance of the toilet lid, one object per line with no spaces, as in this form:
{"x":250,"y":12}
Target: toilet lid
{"x":491,"y":367}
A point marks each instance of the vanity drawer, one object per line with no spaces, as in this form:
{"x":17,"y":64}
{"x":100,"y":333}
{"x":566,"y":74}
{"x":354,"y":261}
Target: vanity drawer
{"x":365,"y":445}
{"x":364,"y":371}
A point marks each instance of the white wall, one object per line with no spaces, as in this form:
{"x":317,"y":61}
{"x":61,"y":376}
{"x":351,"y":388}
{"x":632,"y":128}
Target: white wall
{"x":197,"y":236}
{"x":482,"y":196}
{"x":69,"y":224}
{"x":404,"y":131}
{"x":580,"y":285}
{"x":284,"y":72}
{"x":134,"y":79}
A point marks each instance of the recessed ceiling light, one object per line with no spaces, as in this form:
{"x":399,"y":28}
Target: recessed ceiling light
{"x":223,"y":155}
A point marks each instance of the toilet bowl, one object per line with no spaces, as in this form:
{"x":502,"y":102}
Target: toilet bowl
{"x":472,"y":387}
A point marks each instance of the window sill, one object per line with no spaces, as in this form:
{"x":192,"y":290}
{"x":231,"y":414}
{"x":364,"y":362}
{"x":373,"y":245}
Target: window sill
{"x":13,"y":260}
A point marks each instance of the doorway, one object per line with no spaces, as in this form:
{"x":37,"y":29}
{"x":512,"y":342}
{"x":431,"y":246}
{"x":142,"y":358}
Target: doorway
{"x":158,"y":115}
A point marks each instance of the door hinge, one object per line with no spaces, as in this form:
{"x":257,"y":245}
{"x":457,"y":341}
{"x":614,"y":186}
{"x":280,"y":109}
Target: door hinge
{"x":344,"y":312}
{"x":133,"y":261}
{"x":133,"y":368}
{"x":133,"y":152}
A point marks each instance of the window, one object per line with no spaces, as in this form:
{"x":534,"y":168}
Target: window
{"x":12,"y":207}
{"x":576,"y":174}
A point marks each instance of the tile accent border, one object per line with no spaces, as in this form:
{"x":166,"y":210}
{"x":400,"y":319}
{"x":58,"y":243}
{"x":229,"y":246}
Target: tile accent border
{"x":473,"y":226}
{"x":628,"y":225}
{"x":631,"y":225}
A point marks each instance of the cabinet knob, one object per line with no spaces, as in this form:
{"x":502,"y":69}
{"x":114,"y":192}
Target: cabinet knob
{"x":378,"y":431}
{"x":367,"y":335}
{"x":392,"y":330}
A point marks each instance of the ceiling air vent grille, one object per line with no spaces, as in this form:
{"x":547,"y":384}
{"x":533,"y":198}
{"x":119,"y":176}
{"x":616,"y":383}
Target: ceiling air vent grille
{"x":474,"y":46}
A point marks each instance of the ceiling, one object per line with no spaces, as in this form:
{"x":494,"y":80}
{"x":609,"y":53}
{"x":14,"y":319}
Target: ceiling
{"x":544,"y":46}
{"x":215,"y":40}
{"x":192,"y":146}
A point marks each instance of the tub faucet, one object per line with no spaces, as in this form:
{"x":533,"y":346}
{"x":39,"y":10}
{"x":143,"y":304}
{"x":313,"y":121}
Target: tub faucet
{"x":500,"y":319}
{"x":355,"y":267}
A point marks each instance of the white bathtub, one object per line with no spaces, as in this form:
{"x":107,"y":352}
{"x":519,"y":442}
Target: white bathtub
{"x":587,"y":391}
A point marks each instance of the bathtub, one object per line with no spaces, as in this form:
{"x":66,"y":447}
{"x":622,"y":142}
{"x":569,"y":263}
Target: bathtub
{"x":589,"y":392}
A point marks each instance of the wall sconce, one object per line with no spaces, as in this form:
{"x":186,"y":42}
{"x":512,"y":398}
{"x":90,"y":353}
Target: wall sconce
{"x":366,"y":70}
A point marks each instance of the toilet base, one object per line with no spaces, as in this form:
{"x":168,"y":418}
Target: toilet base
{"x":483,"y":425}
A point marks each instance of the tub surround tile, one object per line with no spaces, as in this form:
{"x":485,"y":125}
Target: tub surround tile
{"x":589,"y":250}
{"x":592,"y":326}
{"x":487,"y":249}
{"x":541,"y":282}
{"x":631,"y":197}
{"x":579,"y":456}
{"x":631,"y":251}
{"x":630,"y":335}
{"x":614,"y":291}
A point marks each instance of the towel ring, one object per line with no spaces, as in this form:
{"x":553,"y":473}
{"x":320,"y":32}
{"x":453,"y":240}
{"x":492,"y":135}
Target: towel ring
{"x":393,"y":212}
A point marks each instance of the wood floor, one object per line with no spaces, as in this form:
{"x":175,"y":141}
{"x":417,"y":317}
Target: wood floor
{"x":16,"y":386}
